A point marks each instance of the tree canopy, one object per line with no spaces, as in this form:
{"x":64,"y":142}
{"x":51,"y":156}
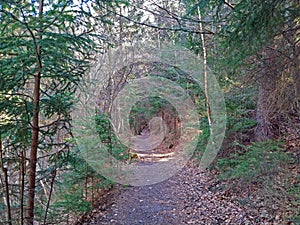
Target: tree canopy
{"x":48,"y":47}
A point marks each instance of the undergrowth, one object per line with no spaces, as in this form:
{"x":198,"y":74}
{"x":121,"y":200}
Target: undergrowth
{"x":270,"y":170}
{"x":260,"y":159}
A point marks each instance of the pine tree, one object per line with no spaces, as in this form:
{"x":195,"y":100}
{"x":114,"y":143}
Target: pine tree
{"x":45,"y":49}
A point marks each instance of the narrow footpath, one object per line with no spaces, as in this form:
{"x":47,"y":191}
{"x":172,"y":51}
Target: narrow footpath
{"x":189,"y":197}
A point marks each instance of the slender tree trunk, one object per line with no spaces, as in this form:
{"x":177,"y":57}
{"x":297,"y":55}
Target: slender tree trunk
{"x":22,"y":187}
{"x":4,"y":170}
{"x":86,"y":177}
{"x":22,"y":173}
{"x":50,"y":195}
{"x":296,"y":74}
{"x":33,"y":151}
{"x":206,"y":84}
{"x":93,"y":191}
{"x":9,"y":218}
{"x":35,"y":132}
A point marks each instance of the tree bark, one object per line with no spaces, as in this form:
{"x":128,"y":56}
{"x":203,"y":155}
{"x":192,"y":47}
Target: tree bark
{"x":33,"y":151}
{"x":4,"y":170}
{"x":206,"y":81}
{"x":264,"y":129}
{"x":35,"y":132}
{"x":9,"y":218}
{"x":266,"y":108}
{"x":50,"y":195}
{"x":22,"y":175}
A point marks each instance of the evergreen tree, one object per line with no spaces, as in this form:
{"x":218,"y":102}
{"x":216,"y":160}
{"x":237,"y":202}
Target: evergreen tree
{"x":46,"y":47}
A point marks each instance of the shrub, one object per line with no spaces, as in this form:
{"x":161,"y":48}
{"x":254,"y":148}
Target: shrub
{"x":257,"y":161}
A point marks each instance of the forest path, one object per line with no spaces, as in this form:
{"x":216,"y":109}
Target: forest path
{"x":189,"y":197}
{"x":145,"y":145}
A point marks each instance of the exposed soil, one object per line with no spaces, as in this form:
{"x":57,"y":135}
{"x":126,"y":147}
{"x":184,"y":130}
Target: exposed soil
{"x":189,"y":197}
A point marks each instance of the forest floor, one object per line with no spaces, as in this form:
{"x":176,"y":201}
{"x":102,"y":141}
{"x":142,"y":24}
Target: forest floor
{"x":189,"y":197}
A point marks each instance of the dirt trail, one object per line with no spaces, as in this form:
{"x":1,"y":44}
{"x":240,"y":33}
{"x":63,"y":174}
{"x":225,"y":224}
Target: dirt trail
{"x":153,"y":204}
{"x":189,"y":197}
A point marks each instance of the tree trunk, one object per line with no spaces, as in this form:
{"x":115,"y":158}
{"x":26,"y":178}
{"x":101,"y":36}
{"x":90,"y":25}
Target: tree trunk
{"x":50,"y":195}
{"x":206,"y":81}
{"x":22,"y":175}
{"x":266,"y":114}
{"x":9,"y":218}
{"x":296,"y":75}
{"x":35,"y":132}
{"x":33,"y":151}
{"x":264,"y":129}
{"x":4,"y":170}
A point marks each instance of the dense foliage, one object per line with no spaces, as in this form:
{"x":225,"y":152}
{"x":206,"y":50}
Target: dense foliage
{"x":48,"y":47}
